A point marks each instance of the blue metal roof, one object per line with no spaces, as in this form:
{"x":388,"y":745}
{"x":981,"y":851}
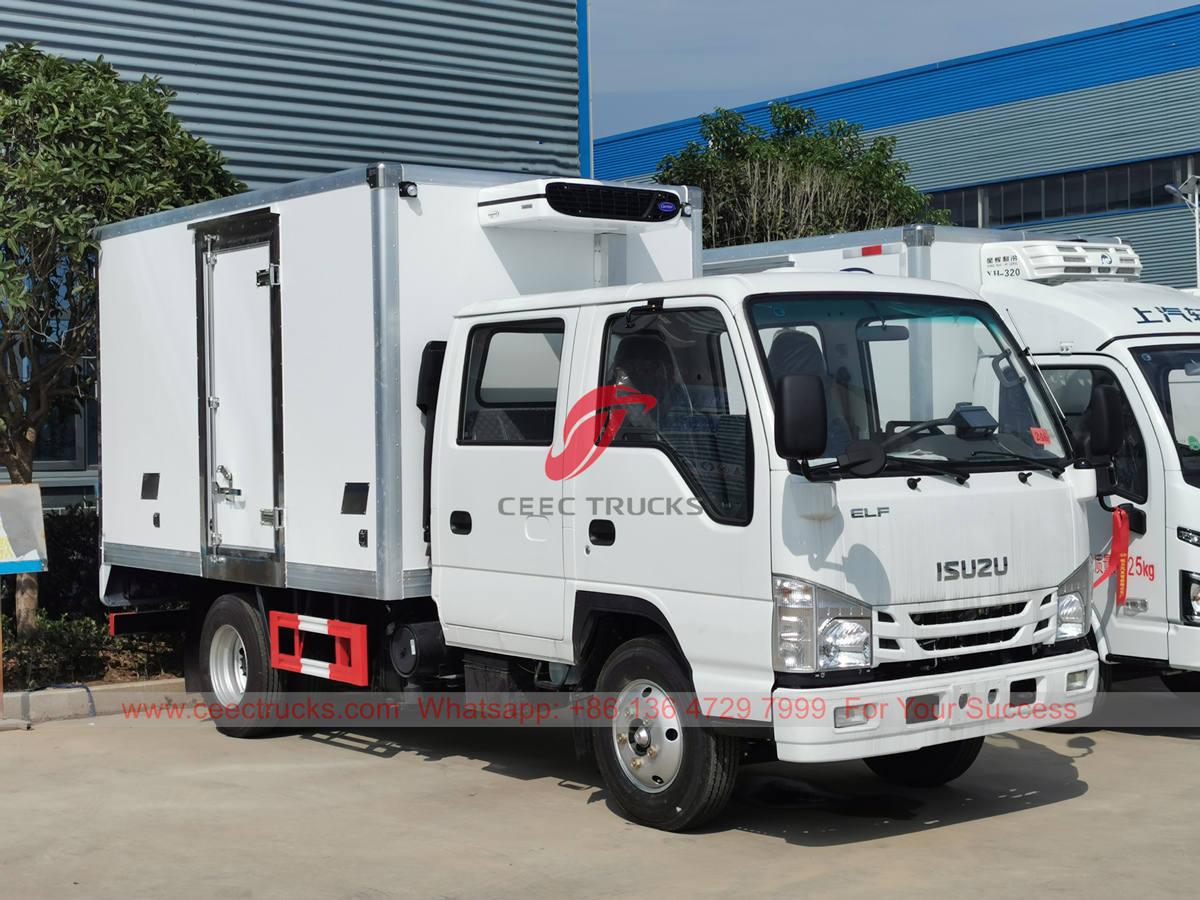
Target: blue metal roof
{"x":1153,"y":45}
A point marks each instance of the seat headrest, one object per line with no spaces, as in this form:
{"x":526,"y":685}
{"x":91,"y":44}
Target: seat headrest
{"x":644,"y":363}
{"x":1075,"y":395}
{"x":795,"y":353}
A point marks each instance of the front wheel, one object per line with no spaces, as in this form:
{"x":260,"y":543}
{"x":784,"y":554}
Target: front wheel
{"x":929,"y":766}
{"x":235,"y":659}
{"x":1183,"y":684}
{"x":660,"y":771}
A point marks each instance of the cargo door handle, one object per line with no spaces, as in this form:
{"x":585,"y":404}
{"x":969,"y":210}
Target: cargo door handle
{"x":460,"y":522}
{"x":602,"y":532}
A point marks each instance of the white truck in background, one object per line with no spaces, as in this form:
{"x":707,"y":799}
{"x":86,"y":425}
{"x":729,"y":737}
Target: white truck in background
{"x":1077,"y":304}
{"x":417,"y":429}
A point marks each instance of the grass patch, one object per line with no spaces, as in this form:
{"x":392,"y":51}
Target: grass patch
{"x":68,"y":650}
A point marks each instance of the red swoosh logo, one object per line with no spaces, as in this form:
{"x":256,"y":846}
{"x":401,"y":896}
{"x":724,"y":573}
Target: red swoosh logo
{"x":604,"y":408}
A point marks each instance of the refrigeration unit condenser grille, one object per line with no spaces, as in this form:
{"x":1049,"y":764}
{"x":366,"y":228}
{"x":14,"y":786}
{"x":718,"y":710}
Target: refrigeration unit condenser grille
{"x":590,"y":201}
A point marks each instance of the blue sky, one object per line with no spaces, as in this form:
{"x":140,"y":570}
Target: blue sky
{"x":658,"y":60}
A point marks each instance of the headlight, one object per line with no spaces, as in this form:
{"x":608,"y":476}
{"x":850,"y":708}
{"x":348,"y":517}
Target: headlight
{"x":817,"y":629}
{"x":1074,"y":604}
{"x":1190,"y":598}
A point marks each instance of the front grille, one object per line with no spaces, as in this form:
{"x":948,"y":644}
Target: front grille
{"x":962,"y":641}
{"x":943,"y":628}
{"x":979,"y":614}
{"x":592,"y":201}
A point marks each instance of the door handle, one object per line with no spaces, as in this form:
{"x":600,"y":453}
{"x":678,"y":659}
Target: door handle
{"x":602,"y":532}
{"x":225,"y":490}
{"x":460,"y":522}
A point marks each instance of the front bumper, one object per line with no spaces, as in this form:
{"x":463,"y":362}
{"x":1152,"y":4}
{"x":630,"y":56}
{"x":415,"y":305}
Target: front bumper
{"x":911,"y":713}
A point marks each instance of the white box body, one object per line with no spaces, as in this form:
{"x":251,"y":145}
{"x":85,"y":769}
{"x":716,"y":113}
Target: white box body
{"x":357,"y":278}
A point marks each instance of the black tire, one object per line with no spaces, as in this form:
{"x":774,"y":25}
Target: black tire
{"x":262,"y":681}
{"x":1183,"y":684}
{"x":709,"y":762}
{"x":929,"y":766}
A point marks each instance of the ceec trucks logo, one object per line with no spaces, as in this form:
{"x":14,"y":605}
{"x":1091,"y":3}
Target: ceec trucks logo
{"x":591,"y":426}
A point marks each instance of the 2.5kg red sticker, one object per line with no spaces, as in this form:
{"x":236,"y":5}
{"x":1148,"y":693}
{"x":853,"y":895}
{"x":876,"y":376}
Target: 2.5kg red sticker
{"x":1040,"y":436}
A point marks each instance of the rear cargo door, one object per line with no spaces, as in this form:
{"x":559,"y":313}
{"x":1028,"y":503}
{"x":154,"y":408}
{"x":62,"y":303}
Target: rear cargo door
{"x":240,"y":410}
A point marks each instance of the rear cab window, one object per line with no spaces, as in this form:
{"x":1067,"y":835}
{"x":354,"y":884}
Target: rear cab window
{"x":510,"y":387}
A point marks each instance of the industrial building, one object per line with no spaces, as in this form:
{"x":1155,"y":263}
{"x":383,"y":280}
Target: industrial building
{"x":291,"y":90}
{"x":1078,"y":133}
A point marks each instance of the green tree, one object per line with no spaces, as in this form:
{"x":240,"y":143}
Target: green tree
{"x":79,"y":147}
{"x":794,"y":180}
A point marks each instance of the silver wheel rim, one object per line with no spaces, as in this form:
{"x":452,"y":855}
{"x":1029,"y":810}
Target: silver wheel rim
{"x":227,"y":666}
{"x":647,"y":736}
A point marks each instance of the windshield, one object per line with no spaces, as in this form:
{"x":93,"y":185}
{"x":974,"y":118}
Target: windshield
{"x":931,"y":380}
{"x":1173,"y":374}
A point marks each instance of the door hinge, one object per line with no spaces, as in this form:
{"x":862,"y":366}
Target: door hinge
{"x":214,"y":539}
{"x":268,"y":277}
{"x":214,"y":403}
{"x":272,"y":517}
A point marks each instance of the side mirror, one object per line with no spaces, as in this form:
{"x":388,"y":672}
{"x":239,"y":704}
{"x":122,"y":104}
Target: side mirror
{"x":1104,"y":427}
{"x":800,"y":426}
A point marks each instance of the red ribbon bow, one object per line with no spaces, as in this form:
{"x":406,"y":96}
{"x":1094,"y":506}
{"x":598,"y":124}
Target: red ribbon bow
{"x":1118,"y":555}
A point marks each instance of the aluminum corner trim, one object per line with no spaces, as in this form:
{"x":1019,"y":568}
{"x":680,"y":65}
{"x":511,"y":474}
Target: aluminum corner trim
{"x":331,"y":580}
{"x":182,"y":562}
{"x":385,"y":268}
{"x":418,"y":583}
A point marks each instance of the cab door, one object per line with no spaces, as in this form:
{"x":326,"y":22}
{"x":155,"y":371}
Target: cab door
{"x":497,"y":531}
{"x":1138,"y":628}
{"x":669,"y":519}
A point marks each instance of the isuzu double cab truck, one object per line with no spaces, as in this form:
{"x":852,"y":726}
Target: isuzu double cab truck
{"x":410,"y":430}
{"x":1085,"y":318}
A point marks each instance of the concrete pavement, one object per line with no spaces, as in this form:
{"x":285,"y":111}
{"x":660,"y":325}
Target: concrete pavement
{"x":102,"y":808}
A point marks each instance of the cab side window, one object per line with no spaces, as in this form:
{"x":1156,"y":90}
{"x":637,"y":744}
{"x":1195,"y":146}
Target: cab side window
{"x":511,"y":383}
{"x":683,"y":359}
{"x":1072,"y":388}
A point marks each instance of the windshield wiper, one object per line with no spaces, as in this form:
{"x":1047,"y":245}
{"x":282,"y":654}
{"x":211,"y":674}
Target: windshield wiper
{"x":1032,"y":461}
{"x":863,"y":459}
{"x":930,"y":467}
{"x":905,"y":435}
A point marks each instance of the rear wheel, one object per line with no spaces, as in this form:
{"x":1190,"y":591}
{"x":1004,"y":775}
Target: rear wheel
{"x":929,"y":766}
{"x":660,"y":771}
{"x":235,"y":660}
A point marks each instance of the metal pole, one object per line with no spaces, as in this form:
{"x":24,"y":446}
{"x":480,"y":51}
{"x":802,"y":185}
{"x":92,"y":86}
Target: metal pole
{"x":1195,"y":205}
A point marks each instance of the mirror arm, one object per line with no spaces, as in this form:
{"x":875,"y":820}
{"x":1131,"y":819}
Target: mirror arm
{"x":800,"y":467}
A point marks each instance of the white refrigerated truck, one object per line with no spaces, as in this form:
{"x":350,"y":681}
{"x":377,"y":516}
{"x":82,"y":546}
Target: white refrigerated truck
{"x":328,"y":433}
{"x":1078,"y":305}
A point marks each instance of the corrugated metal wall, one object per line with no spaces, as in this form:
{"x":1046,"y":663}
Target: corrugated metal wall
{"x":1139,"y":119}
{"x":297,"y":88}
